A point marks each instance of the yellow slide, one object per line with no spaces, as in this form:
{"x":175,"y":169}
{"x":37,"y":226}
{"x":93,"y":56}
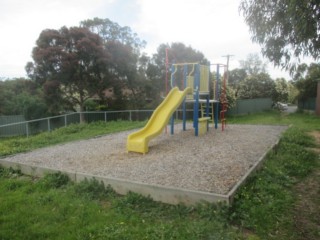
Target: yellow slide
{"x":138,"y":141}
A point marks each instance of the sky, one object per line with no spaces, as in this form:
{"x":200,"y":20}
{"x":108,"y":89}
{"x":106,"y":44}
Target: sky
{"x":213,"y":27}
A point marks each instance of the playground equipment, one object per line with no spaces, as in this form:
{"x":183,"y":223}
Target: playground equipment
{"x":138,"y":141}
{"x":196,"y":77}
{"x":195,"y":82}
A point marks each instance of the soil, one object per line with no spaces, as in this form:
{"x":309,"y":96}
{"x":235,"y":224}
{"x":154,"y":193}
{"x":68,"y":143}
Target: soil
{"x":307,"y":208}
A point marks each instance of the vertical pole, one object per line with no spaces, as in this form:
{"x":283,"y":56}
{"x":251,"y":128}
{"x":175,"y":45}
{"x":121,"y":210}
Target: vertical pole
{"x":318,"y":99}
{"x":65,"y":120}
{"x":172,"y":124}
{"x":49,"y":125}
{"x":167,"y":68}
{"x":217,"y":96}
{"x":172,"y":85}
{"x":184,"y":114}
{"x":207,"y":110}
{"x":196,"y":98}
{"x":27,"y":129}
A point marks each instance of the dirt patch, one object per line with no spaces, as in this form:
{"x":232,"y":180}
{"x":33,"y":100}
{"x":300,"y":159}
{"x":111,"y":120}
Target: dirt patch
{"x":316,"y":135}
{"x":307,"y":208}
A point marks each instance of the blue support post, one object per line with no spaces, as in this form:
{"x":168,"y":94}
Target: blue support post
{"x":172,"y":124}
{"x":196,"y":98}
{"x":184,"y":114}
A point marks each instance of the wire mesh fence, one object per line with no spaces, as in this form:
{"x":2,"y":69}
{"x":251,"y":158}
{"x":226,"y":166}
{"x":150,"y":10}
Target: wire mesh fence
{"x":32,"y":127}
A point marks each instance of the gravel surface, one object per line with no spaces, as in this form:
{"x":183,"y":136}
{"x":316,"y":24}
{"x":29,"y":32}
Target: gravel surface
{"x":214,"y":162}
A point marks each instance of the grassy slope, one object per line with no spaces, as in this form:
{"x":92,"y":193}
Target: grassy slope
{"x":265,"y":208}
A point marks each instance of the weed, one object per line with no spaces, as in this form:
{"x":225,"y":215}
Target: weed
{"x":93,"y":189}
{"x":54,"y":180}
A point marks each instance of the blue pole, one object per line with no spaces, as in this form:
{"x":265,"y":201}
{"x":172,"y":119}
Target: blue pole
{"x":184,"y":115}
{"x":172,"y":124}
{"x":196,"y":102}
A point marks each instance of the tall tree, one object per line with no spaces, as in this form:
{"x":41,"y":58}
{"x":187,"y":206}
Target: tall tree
{"x":22,"y":97}
{"x":281,"y":90}
{"x":306,"y":81}
{"x":256,"y":86}
{"x":253,"y":64}
{"x":176,"y":53}
{"x":235,"y":76}
{"x":286,"y":30}
{"x":70,"y":64}
{"x":124,"y":47}
{"x":111,"y":31}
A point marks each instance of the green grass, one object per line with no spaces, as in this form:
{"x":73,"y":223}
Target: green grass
{"x":54,"y":208}
{"x":264,"y":208}
{"x":66,"y":134}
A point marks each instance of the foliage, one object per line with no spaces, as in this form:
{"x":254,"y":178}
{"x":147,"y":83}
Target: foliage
{"x":256,"y":86}
{"x":113,"y":32}
{"x":281,"y":93}
{"x":231,"y":97}
{"x":305,"y":80}
{"x":293,"y":92}
{"x":176,"y":53}
{"x":126,"y":63}
{"x":93,"y":189}
{"x":264,"y":204}
{"x":22,"y":97}
{"x":286,"y":30}
{"x":236,"y":76}
{"x":70,"y":64}
{"x":69,"y":212}
{"x":55,"y":180}
{"x":253,"y":65}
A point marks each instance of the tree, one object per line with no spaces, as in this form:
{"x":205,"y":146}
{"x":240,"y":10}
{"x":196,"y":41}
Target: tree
{"x":235,"y":76}
{"x":71,"y":65}
{"x":286,"y":30}
{"x":306,"y":81}
{"x":124,"y":47}
{"x":22,"y":97}
{"x":253,"y":64}
{"x":176,"y":53}
{"x":111,"y":31}
{"x":281,"y":91}
{"x":256,"y":86}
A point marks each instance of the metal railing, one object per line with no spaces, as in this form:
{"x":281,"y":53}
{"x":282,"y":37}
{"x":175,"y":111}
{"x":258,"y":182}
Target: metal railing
{"x":32,"y":127}
{"x":36,"y":126}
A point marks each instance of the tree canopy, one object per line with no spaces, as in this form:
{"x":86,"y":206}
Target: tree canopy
{"x":70,"y":64}
{"x":306,"y":81}
{"x":22,"y":97}
{"x":286,"y":30}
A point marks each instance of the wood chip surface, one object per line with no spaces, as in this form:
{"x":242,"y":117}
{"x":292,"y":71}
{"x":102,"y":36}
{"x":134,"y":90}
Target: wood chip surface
{"x":214,"y":162}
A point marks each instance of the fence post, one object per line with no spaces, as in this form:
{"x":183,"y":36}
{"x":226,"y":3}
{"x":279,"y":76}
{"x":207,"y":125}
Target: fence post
{"x":49,"y":125}
{"x":105,"y":116}
{"x":130,"y":119}
{"x":27,"y":129}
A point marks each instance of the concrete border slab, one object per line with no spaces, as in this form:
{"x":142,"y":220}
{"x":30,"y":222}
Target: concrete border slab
{"x":159,"y":193}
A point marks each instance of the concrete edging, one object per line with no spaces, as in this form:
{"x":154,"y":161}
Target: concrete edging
{"x":156,"y":192}
{"x":160,"y":193}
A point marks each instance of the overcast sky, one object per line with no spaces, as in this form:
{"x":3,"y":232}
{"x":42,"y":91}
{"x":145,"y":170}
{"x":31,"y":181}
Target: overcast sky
{"x":213,"y":27}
